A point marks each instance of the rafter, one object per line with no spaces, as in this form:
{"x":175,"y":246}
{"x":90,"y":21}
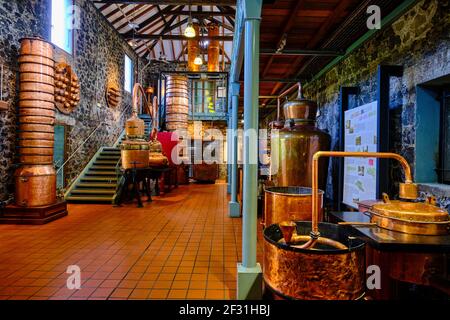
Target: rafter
{"x":172,"y":2}
{"x":286,"y":28}
{"x":138,"y":16}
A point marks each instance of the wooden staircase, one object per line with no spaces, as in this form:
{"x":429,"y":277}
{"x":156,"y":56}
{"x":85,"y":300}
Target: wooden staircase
{"x":98,"y":182}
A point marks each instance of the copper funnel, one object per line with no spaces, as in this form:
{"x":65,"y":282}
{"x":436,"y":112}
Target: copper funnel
{"x":288,"y":228}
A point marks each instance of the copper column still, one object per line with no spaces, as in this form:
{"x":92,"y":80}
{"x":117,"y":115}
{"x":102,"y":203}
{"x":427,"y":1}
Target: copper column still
{"x":36,"y":177}
{"x":177,"y":102}
{"x":293,"y":147}
{"x":194,"y":49}
{"x":213,"y":48}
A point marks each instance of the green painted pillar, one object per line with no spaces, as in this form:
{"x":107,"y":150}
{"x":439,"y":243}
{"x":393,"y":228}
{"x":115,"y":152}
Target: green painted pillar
{"x":234,"y":206}
{"x":249,"y":271}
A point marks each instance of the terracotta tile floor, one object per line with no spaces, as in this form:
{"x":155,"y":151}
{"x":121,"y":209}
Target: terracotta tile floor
{"x":183,"y":245}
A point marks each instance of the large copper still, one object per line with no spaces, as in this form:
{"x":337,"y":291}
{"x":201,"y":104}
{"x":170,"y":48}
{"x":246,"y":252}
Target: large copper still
{"x":177,"y":103}
{"x":213,"y":48}
{"x":193,"y":49}
{"x":293,"y":147}
{"x":156,"y":155}
{"x":36,"y":177}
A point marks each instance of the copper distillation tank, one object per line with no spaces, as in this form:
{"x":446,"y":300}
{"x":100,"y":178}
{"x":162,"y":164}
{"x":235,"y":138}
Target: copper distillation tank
{"x":35,"y":179}
{"x":293,"y":146}
{"x":292,"y":149}
{"x":156,"y":155}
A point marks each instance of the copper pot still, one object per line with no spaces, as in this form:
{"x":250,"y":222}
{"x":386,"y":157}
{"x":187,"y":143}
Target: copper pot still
{"x":35,"y":185}
{"x":325,"y":273}
{"x":135,"y":127}
{"x":156,"y":156}
{"x":135,"y":154}
{"x":293,"y":146}
{"x":289,"y":203}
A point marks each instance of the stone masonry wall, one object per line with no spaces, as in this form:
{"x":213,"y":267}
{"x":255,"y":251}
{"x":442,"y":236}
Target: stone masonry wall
{"x":98,"y":57}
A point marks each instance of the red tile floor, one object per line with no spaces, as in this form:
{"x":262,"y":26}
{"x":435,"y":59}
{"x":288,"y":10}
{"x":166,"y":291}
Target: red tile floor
{"x":183,"y":245}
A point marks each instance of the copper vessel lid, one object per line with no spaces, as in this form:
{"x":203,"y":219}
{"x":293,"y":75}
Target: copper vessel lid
{"x":300,"y":108}
{"x":411,"y":211}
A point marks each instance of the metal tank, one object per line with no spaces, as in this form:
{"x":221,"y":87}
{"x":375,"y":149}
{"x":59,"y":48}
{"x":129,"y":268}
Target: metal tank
{"x":35,"y":179}
{"x":293,"y":146}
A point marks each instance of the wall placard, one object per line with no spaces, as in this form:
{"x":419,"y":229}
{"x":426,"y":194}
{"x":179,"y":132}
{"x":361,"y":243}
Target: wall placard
{"x":360,"y":174}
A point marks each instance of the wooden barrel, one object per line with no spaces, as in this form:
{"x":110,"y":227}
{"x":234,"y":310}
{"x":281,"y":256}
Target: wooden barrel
{"x":213,"y":48}
{"x":177,"y":102}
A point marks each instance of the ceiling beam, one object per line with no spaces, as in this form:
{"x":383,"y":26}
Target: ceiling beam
{"x":151,"y":19}
{"x":318,"y":37}
{"x":173,"y":2}
{"x":302,"y":52}
{"x":286,"y":28}
{"x":138,"y":16}
{"x":164,"y":36}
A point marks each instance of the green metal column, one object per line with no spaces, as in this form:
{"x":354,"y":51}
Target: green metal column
{"x":234,"y":207}
{"x":249,"y":272}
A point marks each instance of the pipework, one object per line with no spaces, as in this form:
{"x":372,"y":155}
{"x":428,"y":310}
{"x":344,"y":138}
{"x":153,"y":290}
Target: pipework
{"x":408,"y":190}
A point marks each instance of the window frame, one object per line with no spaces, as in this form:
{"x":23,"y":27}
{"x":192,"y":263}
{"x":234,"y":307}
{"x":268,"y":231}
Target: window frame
{"x":444,"y":139}
{"x":70,"y":31}
{"x":129,"y":88}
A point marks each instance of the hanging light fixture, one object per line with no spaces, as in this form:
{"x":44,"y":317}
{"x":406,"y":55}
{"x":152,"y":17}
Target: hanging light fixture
{"x":189,"y":32}
{"x":198,"y":61}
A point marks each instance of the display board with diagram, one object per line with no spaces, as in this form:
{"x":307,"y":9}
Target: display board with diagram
{"x":360,"y":174}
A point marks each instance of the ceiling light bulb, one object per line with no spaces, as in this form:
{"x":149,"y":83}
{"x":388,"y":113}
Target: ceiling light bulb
{"x":189,"y":32}
{"x":198,"y":61}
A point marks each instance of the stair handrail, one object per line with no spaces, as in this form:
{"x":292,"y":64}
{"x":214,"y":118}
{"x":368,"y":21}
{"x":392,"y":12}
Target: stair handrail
{"x":87,"y":139}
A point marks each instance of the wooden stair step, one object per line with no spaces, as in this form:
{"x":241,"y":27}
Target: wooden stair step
{"x":93,"y":191}
{"x":101,"y":173}
{"x":112,"y":179}
{"x":102,"y":198}
{"x":97,"y":185}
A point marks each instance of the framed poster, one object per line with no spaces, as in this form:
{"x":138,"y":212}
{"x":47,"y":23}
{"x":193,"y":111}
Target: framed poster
{"x":360,"y":135}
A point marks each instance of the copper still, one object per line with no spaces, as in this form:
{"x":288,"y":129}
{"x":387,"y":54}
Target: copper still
{"x":156,"y":155}
{"x":135,"y":149}
{"x":177,"y":103}
{"x":289,"y":204}
{"x":213,"y":48}
{"x":330,"y":272}
{"x":193,"y":49}
{"x":293,"y":147}
{"x":36,"y":177}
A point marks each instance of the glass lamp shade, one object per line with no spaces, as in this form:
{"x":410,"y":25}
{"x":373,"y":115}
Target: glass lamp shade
{"x":189,"y":32}
{"x":198,"y":61}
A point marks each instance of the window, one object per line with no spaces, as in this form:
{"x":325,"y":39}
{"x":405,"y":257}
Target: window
{"x":444,"y":143}
{"x":208,"y":96}
{"x":129,"y":70}
{"x":62,"y":24}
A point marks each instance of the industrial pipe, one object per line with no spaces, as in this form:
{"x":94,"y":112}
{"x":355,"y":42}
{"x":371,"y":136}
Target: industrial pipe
{"x":136,"y":89}
{"x":408,"y":190}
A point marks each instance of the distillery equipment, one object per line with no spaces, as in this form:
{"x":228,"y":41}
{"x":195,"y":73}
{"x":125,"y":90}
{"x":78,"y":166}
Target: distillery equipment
{"x":35,"y":179}
{"x":177,"y":103}
{"x":293,"y":146}
{"x":193,"y":49}
{"x":135,"y":149}
{"x":213,"y":48}
{"x":289,"y":204}
{"x":156,"y":155}
{"x":335,"y":270}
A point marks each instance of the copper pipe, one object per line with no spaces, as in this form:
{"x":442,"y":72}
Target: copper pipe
{"x":342,"y":154}
{"x":136,"y":89}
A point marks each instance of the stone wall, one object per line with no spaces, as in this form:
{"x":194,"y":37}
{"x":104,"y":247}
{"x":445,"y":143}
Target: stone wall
{"x":98,"y":57}
{"x":420,"y":42}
